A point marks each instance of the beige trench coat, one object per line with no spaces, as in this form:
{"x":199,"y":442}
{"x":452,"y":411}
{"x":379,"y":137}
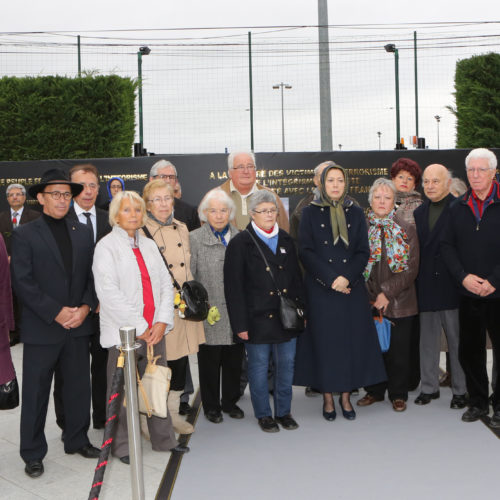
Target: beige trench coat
{"x":173,"y":242}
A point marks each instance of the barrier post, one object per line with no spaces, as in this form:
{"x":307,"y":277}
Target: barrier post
{"x":127,"y":337}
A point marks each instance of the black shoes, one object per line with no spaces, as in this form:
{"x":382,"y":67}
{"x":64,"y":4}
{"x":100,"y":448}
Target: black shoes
{"x":425,"y":399}
{"x":347,"y":414}
{"x":214,"y":416}
{"x":473,"y":413}
{"x":185,"y":409}
{"x":495,"y":420}
{"x":287,"y":422}
{"x":180,"y":449}
{"x":329,"y":415}
{"x":34,"y":468}
{"x":458,"y":401}
{"x":125,"y":460}
{"x":267,"y":424}
{"x":236,"y":412}
{"x":87,"y":451}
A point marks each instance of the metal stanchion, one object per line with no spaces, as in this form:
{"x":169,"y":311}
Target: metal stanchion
{"x":127,"y":337}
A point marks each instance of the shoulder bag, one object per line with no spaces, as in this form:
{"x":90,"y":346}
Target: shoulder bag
{"x":9,"y":395}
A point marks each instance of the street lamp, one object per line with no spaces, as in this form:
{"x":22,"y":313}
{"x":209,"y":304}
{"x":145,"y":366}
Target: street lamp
{"x":143,"y":51}
{"x":282,"y":86}
{"x":438,"y":119}
{"x":340,"y":147}
{"x":379,"y":135}
{"x":390,"y":47}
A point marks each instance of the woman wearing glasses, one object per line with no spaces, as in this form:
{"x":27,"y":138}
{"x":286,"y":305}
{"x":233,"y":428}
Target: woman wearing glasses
{"x":172,"y":239}
{"x":253,"y":306}
{"x":220,"y":358}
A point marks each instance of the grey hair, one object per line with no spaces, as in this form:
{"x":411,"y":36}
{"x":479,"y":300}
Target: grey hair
{"x":216,"y":194}
{"x":483,"y":153}
{"x":329,"y":163}
{"x":261,"y":196}
{"x":457,"y":186}
{"x":232,"y":156}
{"x":381,"y":182}
{"x":15,"y":186}
{"x":161,"y":164}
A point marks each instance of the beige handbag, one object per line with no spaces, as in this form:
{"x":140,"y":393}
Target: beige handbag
{"x":154,"y":387}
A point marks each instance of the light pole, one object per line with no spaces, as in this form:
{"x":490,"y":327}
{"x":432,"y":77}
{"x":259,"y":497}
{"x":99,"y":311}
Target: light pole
{"x":438,"y":119}
{"x":390,"y":47}
{"x":379,"y":135}
{"x":142,"y":51}
{"x":282,"y":86}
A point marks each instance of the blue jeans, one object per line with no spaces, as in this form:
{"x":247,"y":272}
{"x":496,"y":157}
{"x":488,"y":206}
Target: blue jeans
{"x":283,"y":355}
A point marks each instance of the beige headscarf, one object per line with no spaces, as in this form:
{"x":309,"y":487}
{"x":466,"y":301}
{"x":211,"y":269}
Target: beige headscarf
{"x":337,"y":215}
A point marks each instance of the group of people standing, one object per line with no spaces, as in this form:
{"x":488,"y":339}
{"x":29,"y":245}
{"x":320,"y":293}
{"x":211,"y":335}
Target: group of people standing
{"x":427,"y":267}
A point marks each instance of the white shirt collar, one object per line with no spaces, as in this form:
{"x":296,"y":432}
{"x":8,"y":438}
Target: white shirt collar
{"x":19,"y":212}
{"x":253,"y":190}
{"x":79,"y":210}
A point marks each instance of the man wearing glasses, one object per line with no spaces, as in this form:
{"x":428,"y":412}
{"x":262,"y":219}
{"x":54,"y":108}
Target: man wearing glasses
{"x":183,"y":212}
{"x":471,"y":250}
{"x":240,"y":186}
{"x":52,"y":276}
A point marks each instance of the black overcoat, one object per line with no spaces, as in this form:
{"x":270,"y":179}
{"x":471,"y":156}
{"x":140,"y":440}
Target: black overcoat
{"x":252,"y":301}
{"x":339,"y":350}
{"x":436,"y":288}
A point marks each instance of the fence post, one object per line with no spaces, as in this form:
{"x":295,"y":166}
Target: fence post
{"x":79,"y":58}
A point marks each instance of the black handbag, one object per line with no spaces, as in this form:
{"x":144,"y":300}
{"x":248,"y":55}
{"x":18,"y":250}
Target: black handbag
{"x":193,"y":293}
{"x":292,"y":316}
{"x":9,"y":395}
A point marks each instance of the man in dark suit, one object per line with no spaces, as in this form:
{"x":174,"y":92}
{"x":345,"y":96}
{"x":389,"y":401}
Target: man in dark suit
{"x":438,"y":295}
{"x":84,"y":210}
{"x":10,"y":219}
{"x":188,"y":214}
{"x":52,"y":275}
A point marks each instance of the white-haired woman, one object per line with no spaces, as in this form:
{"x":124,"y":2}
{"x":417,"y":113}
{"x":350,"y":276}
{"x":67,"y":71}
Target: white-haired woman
{"x":253,"y":305}
{"x":390,"y":278}
{"x":133,"y":288}
{"x":219,"y":359}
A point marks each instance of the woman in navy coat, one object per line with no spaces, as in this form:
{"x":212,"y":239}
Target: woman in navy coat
{"x":339,"y":350}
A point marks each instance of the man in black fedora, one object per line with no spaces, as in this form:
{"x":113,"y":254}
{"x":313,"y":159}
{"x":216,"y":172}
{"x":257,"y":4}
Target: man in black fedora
{"x":51,"y":273}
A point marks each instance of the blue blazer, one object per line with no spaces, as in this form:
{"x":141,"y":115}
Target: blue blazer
{"x":436,"y":288}
{"x":42,"y":284}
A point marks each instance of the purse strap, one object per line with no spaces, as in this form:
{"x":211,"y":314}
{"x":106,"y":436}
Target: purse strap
{"x":148,"y":234}
{"x":268,"y":267}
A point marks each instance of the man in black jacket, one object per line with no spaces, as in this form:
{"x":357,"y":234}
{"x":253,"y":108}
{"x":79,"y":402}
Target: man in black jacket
{"x":52,"y":275}
{"x":471,"y":249}
{"x":437,"y":291}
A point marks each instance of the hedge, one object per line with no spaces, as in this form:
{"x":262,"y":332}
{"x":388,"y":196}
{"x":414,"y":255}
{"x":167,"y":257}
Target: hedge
{"x":54,"y":117}
{"x":477,"y":85}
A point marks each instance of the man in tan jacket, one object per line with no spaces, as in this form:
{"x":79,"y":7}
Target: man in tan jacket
{"x":242,"y":184}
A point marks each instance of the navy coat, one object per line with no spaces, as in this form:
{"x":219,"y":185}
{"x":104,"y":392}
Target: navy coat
{"x":42,"y":285}
{"x":251,"y":298}
{"x":436,"y":288}
{"x":339,"y":350}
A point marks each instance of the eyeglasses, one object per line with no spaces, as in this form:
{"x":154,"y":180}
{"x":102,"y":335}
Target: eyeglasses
{"x":163,"y":177}
{"x":244,"y":167}
{"x":55,"y":195}
{"x":478,"y":170}
{"x":158,"y":200}
{"x":271,"y":211}
{"x":92,"y":186}
{"x":213,"y":211}
{"x":11,"y":195}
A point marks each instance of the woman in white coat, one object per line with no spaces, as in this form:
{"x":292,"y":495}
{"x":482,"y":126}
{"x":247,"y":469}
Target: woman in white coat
{"x":133,"y":288}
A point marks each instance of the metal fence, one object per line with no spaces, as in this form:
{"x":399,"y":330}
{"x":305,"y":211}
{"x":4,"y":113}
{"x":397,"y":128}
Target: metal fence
{"x":196,"y":85}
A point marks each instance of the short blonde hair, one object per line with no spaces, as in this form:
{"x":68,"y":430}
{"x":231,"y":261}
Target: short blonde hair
{"x":153,"y":186}
{"x":116,"y":203}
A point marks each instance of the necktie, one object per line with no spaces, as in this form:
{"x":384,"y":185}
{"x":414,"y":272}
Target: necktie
{"x":14,"y":219}
{"x":89,"y":222}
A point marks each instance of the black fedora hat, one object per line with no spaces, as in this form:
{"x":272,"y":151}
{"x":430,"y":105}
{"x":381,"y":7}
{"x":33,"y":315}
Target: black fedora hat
{"x":55,"y":176}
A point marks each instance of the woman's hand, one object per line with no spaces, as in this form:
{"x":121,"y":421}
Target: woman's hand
{"x":340,"y":284}
{"x":243,"y":335}
{"x":381,"y":302}
{"x":157,"y":333}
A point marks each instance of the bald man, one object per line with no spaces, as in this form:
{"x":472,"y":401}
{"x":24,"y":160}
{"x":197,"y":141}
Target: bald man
{"x":438,"y":295}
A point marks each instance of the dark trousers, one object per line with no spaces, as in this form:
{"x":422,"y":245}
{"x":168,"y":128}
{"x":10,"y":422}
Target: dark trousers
{"x":476,"y":316}
{"x":397,"y":361}
{"x":39,"y":364}
{"x":188,"y":386}
{"x":414,"y":375}
{"x":99,"y":357}
{"x":178,"y":367}
{"x":216,"y":362}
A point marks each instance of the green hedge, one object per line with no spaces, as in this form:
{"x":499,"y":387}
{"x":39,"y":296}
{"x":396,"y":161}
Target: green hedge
{"x":57,"y":117}
{"x":477,"y":85}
